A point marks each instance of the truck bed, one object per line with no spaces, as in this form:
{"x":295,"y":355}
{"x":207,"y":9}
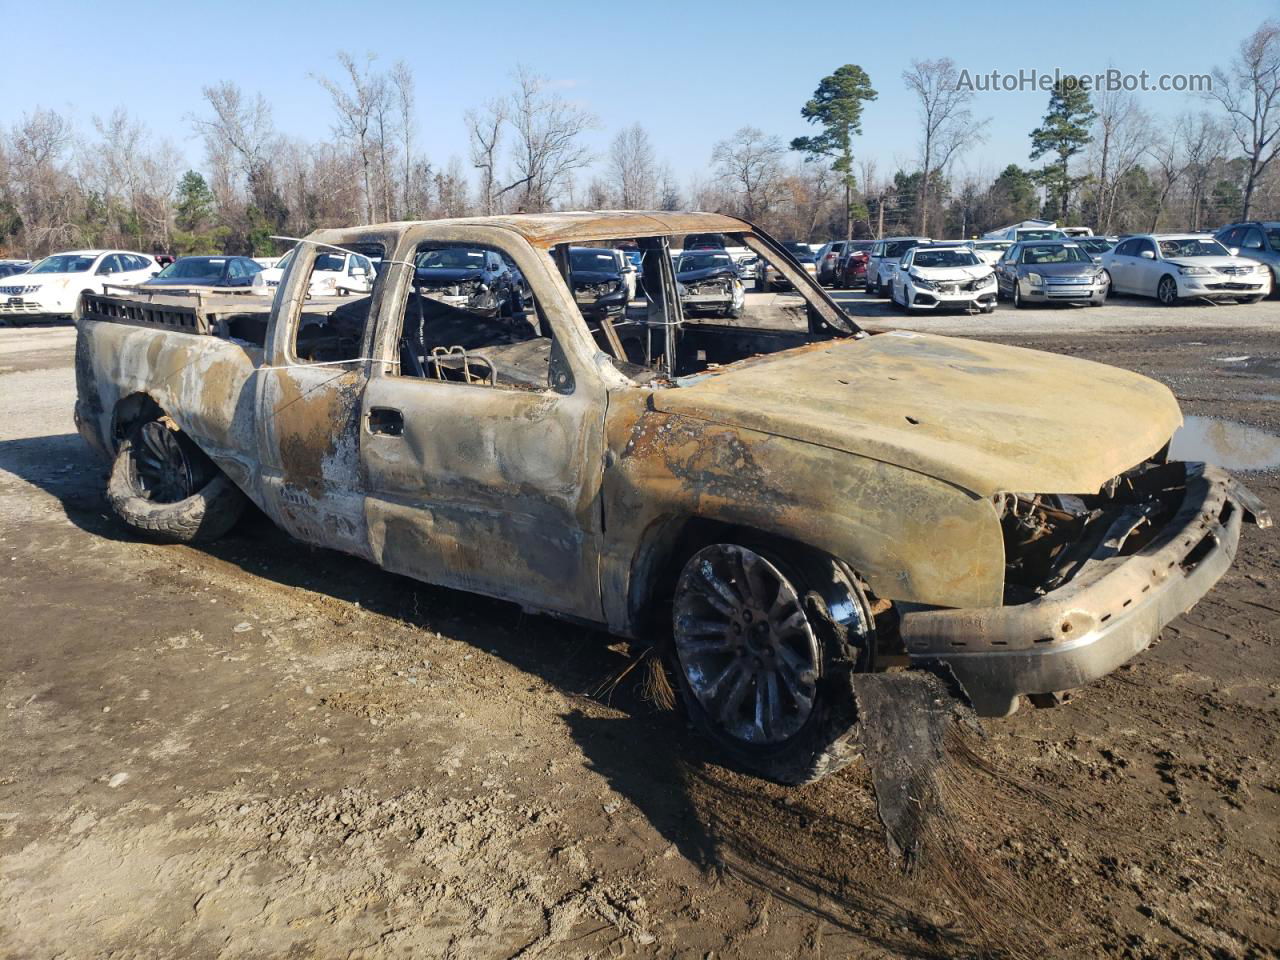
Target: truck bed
{"x":231,"y":315}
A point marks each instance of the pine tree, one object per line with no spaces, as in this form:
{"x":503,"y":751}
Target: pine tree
{"x":1064,"y":132}
{"x":837,"y":107}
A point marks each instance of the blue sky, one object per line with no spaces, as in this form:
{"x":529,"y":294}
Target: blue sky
{"x":691,"y":72}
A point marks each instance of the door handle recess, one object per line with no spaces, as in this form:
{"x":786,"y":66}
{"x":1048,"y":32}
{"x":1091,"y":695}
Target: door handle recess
{"x":387,"y":421}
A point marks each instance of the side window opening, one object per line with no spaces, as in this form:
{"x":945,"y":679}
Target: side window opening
{"x":674,"y":306}
{"x":334,"y":324}
{"x":471,"y":317}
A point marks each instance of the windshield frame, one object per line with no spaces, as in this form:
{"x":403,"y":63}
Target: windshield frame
{"x":1209,"y":242}
{"x":91,"y":258}
{"x":1077,"y":253}
{"x":165,"y":274}
{"x":716,"y":260}
{"x":973,"y":260}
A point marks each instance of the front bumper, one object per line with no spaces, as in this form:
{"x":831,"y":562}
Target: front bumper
{"x":1061,"y":292}
{"x":1223,"y":287}
{"x":43,"y":305}
{"x":610,"y":305}
{"x":978,"y":299}
{"x":1092,"y":624}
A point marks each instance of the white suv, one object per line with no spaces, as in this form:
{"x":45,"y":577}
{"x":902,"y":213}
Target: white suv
{"x":52,"y":287}
{"x":335,"y":273}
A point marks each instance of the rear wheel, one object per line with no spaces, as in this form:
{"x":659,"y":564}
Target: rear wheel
{"x":763,"y":645}
{"x":163,"y":486}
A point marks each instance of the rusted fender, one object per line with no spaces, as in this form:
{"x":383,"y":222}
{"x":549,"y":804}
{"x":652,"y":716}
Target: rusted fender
{"x":912,"y":537}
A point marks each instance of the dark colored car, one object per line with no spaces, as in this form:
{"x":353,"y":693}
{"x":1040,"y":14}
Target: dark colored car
{"x":206,"y":272}
{"x":1257,"y":240}
{"x":14,"y":267}
{"x":851,"y":271}
{"x":595,"y":277}
{"x":704,"y":241}
{"x":828,"y":258}
{"x":710,"y":282}
{"x":769,"y":278}
{"x":472,"y":279}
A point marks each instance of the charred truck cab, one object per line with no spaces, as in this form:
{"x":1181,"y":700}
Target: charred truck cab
{"x":779,"y":498}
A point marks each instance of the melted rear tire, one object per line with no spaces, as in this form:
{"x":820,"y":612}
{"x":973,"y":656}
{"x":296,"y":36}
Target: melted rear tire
{"x":204,"y":515}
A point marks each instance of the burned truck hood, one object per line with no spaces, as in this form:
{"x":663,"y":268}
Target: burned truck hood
{"x":982,"y":416}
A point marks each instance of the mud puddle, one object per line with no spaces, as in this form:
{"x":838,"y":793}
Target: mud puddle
{"x":1225,"y":443}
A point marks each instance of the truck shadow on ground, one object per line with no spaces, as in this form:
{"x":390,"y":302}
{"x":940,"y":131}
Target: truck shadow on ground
{"x":818,"y":849}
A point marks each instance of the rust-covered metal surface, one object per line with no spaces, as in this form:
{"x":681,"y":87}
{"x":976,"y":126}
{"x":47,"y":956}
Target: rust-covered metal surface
{"x":882,"y":452}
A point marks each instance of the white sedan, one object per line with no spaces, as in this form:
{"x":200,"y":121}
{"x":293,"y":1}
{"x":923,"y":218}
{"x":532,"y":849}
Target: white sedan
{"x":990,"y":251}
{"x":52,"y":288}
{"x":1173,"y":267}
{"x":933,"y":278}
{"x":335,"y":274}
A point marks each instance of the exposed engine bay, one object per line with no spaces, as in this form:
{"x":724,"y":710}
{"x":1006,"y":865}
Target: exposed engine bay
{"x":1050,"y":538}
{"x":474,"y":296}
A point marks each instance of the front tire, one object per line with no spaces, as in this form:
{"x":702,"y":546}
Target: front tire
{"x":1018,"y":302}
{"x":1167,"y":291}
{"x":163,"y":486}
{"x":762,"y":657}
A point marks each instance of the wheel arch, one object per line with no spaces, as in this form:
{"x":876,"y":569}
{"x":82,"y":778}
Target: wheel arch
{"x":667,"y":545}
{"x":133,"y":409}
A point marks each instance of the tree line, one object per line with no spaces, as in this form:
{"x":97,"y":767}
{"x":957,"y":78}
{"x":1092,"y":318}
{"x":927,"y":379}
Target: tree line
{"x":1103,"y":161}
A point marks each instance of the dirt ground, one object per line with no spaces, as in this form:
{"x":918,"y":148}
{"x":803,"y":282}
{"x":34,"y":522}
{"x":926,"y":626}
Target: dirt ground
{"x":259,"y":749}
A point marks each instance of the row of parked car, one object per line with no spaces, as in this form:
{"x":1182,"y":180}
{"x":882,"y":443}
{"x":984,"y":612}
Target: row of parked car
{"x":1024,"y":264}
{"x":1048,"y":265}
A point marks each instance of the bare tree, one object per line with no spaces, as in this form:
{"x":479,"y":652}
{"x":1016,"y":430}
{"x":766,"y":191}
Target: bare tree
{"x":241,"y":131}
{"x":631,"y":168}
{"x":947,"y":122}
{"x":749,"y":164}
{"x":112,"y":166}
{"x":548,"y":144}
{"x":1250,"y":94}
{"x":45,"y":194}
{"x":1205,"y":143}
{"x":451,"y":189}
{"x":1122,"y":136}
{"x":668,"y":189}
{"x":357,"y":109}
{"x":1166,"y":153}
{"x":402,"y":83}
{"x":485,"y":132}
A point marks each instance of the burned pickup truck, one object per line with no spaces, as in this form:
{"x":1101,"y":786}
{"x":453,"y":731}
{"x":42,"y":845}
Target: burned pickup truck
{"x":780,"y":501}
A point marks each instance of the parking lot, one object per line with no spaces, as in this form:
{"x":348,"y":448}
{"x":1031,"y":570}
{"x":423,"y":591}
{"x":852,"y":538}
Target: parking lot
{"x":257,"y":748}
